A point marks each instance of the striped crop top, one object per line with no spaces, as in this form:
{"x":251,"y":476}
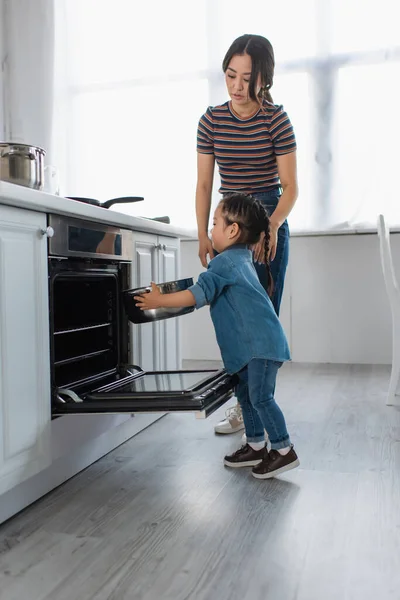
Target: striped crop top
{"x":246,"y":149}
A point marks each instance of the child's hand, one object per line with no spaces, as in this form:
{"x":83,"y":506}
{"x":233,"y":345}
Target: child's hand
{"x":150,"y":299}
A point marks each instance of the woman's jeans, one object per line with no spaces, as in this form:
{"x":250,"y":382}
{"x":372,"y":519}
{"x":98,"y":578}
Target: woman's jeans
{"x":279,"y":264}
{"x":255,"y":392}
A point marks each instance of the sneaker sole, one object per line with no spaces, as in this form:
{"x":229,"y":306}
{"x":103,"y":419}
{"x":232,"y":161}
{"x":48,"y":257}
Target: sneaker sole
{"x":248,"y":463}
{"x":292,"y":465}
{"x":227,"y":432}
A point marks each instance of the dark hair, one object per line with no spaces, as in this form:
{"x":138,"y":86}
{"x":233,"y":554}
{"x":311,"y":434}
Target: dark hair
{"x":262,"y":57}
{"x":252,"y":219}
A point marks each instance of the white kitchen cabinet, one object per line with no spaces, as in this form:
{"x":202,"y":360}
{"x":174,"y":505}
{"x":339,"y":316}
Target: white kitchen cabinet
{"x":24,"y":347}
{"x":168,"y":270}
{"x":155,"y":346}
{"x":145,"y":338}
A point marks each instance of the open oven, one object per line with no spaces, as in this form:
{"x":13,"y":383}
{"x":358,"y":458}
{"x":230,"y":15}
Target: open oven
{"x":89,"y":268}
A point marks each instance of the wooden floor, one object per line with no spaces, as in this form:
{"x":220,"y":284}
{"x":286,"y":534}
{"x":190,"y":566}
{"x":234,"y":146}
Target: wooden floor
{"x":161,"y":518}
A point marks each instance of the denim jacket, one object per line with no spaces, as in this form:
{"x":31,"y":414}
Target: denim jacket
{"x":244,"y":319}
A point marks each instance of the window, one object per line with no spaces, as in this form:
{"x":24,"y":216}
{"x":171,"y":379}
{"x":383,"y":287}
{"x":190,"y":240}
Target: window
{"x":277,"y":21}
{"x":365,"y":143}
{"x":293,"y":91}
{"x":364,"y":25}
{"x":133,"y":79}
{"x":139,"y":142}
{"x":127,"y":40}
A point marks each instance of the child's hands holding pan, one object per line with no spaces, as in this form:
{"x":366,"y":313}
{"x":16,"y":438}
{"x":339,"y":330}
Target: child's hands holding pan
{"x":149,"y":300}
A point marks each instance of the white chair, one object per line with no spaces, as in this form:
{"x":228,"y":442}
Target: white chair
{"x":393,"y":292}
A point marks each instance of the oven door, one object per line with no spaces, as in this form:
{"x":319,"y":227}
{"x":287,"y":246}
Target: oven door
{"x":201,"y":392}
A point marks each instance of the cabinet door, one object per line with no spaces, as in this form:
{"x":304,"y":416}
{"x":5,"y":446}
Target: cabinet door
{"x":24,"y":347}
{"x":168,"y":270}
{"x":145,"y":342}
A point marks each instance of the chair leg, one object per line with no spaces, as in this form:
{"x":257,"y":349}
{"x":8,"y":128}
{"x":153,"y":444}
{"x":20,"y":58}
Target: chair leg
{"x":392,"y":399}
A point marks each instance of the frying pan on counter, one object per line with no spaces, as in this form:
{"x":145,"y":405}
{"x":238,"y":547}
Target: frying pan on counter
{"x":123,"y":200}
{"x":108,"y":203}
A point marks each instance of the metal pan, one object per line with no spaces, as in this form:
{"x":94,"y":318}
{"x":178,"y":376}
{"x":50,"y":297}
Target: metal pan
{"x":108,"y":203}
{"x":135,"y":315}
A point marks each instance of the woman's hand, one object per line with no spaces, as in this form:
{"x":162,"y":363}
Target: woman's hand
{"x":205,"y":248}
{"x":259,"y":250}
{"x":273,"y":241}
{"x":149,"y":299}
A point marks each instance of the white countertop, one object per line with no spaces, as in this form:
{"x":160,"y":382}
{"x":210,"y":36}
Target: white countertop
{"x":23,"y":197}
{"x":28,"y":199}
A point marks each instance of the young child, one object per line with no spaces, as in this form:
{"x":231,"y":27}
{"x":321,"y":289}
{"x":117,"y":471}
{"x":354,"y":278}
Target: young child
{"x":251,"y":339}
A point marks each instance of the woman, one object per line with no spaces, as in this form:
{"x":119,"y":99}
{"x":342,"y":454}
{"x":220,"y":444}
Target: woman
{"x":253,"y":143}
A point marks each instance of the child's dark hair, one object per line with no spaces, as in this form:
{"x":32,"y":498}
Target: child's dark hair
{"x":252,"y":219}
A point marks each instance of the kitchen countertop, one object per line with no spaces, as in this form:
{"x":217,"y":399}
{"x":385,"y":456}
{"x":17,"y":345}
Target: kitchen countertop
{"x":22,"y":197}
{"x":28,"y":199}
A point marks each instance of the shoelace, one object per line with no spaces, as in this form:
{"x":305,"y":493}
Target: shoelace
{"x":234,"y":411}
{"x":241,"y":450}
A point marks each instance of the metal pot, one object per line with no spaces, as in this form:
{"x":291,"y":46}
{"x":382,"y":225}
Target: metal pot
{"x":156,"y":314}
{"x":22,"y":164}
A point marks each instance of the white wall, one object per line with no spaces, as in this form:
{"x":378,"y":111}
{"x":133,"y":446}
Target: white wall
{"x":334,"y":309}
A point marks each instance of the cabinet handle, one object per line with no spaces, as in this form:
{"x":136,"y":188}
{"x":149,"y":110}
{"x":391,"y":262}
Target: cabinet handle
{"x":48,"y":232}
{"x":157,"y":246}
{"x":164,"y":247}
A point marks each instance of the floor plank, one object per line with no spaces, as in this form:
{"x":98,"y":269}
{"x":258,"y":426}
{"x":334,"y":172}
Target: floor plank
{"x":160,"y":517}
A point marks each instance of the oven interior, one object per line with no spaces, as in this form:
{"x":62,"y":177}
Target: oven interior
{"x":89,"y":341}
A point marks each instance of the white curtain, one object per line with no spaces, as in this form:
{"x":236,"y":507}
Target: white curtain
{"x":131,"y":80}
{"x":27,"y":67}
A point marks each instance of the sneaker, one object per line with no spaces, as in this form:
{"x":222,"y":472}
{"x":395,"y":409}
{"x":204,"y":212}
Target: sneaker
{"x":245,"y":457}
{"x":275,"y":463}
{"x":233,"y":421}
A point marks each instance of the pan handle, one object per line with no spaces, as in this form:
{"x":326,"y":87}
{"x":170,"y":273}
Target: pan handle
{"x":15,"y":152}
{"x":124,"y":200}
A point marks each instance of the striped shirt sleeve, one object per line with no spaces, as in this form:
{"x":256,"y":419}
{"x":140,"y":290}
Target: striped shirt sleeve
{"x":282,"y":133}
{"x":205,"y":133}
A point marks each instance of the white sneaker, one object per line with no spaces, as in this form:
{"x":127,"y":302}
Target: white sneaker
{"x":233,"y":421}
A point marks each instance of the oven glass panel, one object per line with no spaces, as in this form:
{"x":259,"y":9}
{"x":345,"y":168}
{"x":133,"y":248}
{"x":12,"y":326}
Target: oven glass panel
{"x":163,"y":382}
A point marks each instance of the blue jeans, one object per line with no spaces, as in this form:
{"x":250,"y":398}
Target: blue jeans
{"x":279,"y":264}
{"x":255,"y":393}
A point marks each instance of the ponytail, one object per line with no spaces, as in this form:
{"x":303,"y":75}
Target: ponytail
{"x":265,"y":94}
{"x":270,"y":288}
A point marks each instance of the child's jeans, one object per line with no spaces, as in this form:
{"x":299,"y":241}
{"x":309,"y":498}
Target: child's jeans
{"x":255,"y":393}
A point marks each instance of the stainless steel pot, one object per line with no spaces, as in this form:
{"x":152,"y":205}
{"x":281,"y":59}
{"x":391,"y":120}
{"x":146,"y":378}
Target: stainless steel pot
{"x":156,"y":314}
{"x":22,"y":164}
